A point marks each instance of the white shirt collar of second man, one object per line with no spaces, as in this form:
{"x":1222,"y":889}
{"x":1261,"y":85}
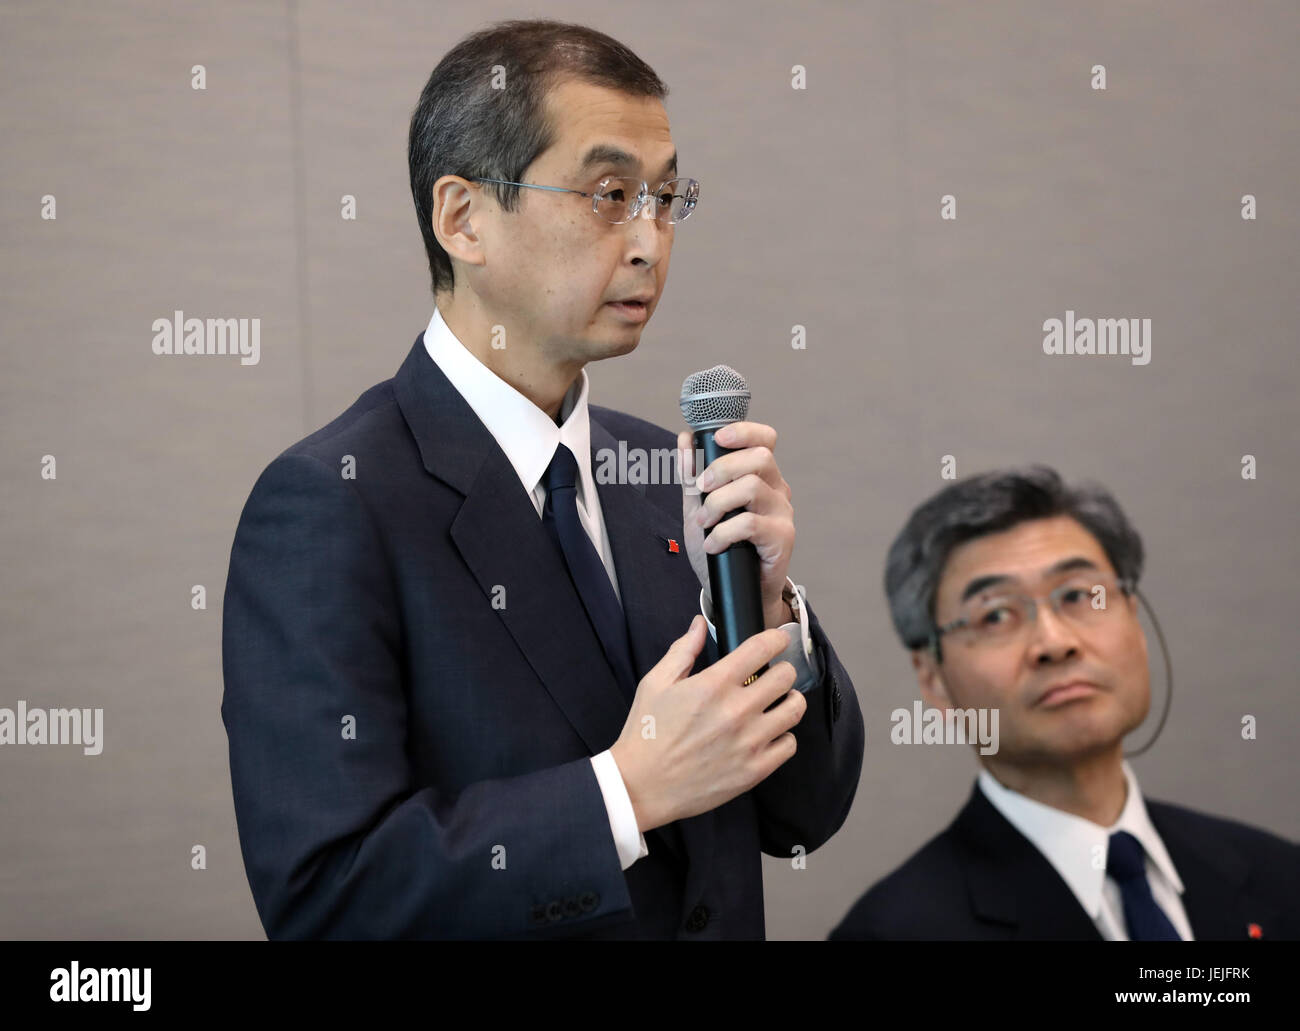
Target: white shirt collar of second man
{"x":1072,"y":844}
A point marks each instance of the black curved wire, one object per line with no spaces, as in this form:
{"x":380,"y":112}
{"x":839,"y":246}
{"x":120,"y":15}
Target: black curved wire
{"x":1169,"y":675}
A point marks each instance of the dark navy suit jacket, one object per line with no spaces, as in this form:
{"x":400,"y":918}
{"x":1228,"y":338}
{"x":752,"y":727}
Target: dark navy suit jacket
{"x":982,"y":880}
{"x":465,"y":804}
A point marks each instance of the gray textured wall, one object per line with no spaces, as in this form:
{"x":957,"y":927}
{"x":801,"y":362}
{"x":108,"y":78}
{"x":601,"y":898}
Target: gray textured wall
{"x":923,"y":339}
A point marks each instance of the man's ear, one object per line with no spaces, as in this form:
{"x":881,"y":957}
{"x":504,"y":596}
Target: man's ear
{"x":453,"y":203}
{"x":929,"y":680}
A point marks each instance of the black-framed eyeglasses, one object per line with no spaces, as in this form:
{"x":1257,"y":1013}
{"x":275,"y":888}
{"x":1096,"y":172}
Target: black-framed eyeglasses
{"x":619,"y":199}
{"x":1000,"y":616}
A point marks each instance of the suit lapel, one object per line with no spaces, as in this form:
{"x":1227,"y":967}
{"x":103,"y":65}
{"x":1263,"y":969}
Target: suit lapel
{"x":1011,"y":883}
{"x":505,"y":546}
{"x":1215,"y":898}
{"x":650,"y":580}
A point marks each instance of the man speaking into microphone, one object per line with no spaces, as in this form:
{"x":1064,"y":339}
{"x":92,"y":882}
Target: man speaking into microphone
{"x":470,"y":692}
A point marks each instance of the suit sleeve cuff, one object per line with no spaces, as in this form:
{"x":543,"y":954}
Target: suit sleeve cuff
{"x":799,"y":652}
{"x":628,"y":840}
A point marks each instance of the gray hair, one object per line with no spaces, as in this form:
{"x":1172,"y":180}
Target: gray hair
{"x":985,"y":504}
{"x":463,"y":126}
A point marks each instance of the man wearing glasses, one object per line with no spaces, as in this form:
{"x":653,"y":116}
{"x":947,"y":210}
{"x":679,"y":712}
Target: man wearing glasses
{"x":1017,"y":593}
{"x":471,"y":690}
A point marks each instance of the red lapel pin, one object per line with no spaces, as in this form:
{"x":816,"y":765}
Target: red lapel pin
{"x":673,"y":546}
{"x":1254,"y":930}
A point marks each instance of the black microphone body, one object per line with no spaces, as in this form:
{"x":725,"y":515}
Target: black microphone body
{"x":733,"y":573}
{"x":711,"y":399}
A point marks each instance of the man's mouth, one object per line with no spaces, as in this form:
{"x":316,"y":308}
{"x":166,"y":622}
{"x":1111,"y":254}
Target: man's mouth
{"x":1066,"y":691}
{"x":634,"y":310}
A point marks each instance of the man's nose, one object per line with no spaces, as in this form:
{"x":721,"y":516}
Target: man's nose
{"x":649,"y":237}
{"x":1054,"y":638}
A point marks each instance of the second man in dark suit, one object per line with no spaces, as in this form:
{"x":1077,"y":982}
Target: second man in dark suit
{"x":1016,"y":593}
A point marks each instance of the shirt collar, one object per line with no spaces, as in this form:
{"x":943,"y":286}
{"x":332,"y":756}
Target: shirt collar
{"x":1070,"y":842}
{"x":526,"y":434}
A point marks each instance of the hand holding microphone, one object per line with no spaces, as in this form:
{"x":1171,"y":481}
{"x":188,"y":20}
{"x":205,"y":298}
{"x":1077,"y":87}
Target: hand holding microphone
{"x":724,"y":730}
{"x":740,"y":518}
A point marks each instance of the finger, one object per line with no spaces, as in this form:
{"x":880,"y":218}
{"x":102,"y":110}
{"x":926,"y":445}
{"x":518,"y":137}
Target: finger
{"x":691,"y":502}
{"x":746,"y":434}
{"x":771,"y":535}
{"x":771,"y":689}
{"x":749,"y":493}
{"x":752,"y":654}
{"x":726,"y":468}
{"x":780,"y":750}
{"x":784,"y":714}
{"x":680,"y":657}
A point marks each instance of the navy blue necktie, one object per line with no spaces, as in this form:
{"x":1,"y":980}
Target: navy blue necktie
{"x":1126,"y":862}
{"x":560,"y":517}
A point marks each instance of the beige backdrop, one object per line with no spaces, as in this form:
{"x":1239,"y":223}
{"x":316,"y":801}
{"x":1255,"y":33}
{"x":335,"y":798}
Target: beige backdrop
{"x":820,"y":208}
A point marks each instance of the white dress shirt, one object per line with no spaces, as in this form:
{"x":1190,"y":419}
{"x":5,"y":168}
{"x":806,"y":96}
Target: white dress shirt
{"x":1077,"y":849}
{"x":529,"y":437}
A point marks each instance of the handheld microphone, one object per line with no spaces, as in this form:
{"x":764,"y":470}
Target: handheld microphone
{"x":710,"y":400}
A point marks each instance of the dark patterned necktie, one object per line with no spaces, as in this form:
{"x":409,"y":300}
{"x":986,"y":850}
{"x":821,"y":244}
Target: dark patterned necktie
{"x":1126,"y":862}
{"x":560,"y":517}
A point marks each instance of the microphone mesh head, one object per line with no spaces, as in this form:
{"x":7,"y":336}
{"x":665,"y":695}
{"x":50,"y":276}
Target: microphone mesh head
{"x":714,"y":397}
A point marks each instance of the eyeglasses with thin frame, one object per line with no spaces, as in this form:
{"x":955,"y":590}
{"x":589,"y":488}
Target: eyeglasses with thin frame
{"x":615,"y":201}
{"x":999,"y":616}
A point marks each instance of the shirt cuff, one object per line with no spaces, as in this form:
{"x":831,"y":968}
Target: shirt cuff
{"x":629,"y":841}
{"x":799,"y":652}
